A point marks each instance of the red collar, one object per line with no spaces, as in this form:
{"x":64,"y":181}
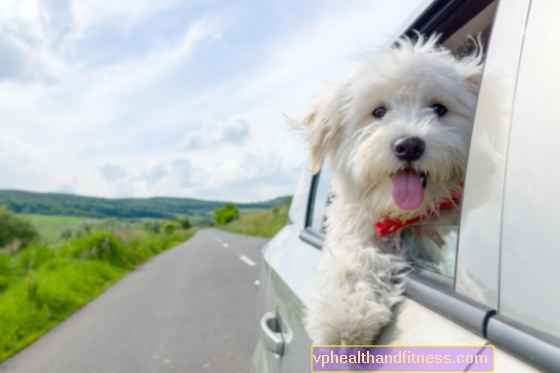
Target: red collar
{"x":389,"y":226}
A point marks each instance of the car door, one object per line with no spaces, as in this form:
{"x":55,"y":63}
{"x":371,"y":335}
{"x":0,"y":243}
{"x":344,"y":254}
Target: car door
{"x":287,"y":268}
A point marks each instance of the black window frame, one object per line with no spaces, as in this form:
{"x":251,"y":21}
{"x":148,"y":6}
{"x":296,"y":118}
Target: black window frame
{"x":311,"y":199}
{"x":308,"y":234}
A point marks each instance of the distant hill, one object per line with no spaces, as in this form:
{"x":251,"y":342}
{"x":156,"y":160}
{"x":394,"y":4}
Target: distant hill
{"x":74,"y":205}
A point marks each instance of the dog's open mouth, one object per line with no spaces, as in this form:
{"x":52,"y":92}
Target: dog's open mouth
{"x":407,"y":188}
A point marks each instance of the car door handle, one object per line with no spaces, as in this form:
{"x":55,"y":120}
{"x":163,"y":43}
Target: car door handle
{"x":271,"y":335}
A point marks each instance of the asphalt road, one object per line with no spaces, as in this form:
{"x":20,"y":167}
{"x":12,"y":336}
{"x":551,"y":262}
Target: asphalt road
{"x":189,"y":309}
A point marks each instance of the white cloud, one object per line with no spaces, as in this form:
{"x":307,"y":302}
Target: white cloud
{"x":164,"y":176}
{"x":126,"y":13}
{"x":233,"y":131}
{"x":217,"y":36}
{"x":15,"y":150}
{"x":38,"y":36}
{"x":273,"y":160}
{"x":66,"y":189}
{"x":112,"y":172}
{"x":243,"y":173}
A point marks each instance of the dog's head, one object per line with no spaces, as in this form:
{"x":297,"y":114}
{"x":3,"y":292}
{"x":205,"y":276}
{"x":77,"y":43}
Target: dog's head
{"x":398,"y":128}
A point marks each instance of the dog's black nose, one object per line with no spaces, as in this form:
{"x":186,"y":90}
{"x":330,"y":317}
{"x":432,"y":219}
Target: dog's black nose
{"x":409,"y":149}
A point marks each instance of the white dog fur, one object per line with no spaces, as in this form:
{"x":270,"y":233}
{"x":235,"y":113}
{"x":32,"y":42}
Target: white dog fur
{"x":360,"y":276}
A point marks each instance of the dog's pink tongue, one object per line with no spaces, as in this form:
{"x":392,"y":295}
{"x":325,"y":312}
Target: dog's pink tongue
{"x":407,"y":189}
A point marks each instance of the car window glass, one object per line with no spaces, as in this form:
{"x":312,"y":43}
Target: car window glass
{"x":320,"y":198}
{"x":298,"y":205}
{"x":434,"y":247}
{"x":431,"y":247}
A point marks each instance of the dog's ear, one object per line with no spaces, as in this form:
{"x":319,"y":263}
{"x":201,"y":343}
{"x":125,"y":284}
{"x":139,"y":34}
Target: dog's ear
{"x":473,"y":77}
{"x":321,"y":130}
{"x":470,"y":66}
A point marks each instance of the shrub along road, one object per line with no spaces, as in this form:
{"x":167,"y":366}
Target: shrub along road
{"x":189,"y":309}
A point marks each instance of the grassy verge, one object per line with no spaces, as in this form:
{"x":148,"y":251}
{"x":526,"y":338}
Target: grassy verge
{"x":264,"y":223}
{"x":41,"y":285}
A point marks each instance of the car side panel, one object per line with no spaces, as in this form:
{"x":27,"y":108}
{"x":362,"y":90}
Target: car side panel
{"x":263,"y":360}
{"x":416,"y":324}
{"x":506,"y":363}
{"x":291,"y":285}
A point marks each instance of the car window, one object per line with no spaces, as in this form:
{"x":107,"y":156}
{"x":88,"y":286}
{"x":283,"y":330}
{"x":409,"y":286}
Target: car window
{"x":320,"y":198}
{"x":429,"y":247}
{"x":434,"y":247}
{"x":298,"y":205}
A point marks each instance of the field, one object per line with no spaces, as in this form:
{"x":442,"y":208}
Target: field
{"x":264,"y":223}
{"x":51,"y":227}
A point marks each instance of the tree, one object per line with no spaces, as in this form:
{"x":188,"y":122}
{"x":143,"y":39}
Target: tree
{"x":225,"y":214}
{"x":185,"y":223}
{"x":169,"y":226}
{"x":14,"y":228}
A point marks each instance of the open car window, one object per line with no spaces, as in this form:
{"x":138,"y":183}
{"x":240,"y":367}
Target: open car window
{"x":430,"y":248}
{"x":434,"y":247}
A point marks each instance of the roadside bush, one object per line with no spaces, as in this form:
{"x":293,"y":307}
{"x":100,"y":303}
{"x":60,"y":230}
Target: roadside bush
{"x":32,"y":259}
{"x":226,"y":214}
{"x":103,"y":246}
{"x":15,"y":229}
{"x":66,"y":234}
{"x":264,"y":223}
{"x":5,"y":264}
{"x":169,"y":226}
{"x":185,"y":223}
{"x":152,"y":226}
{"x":5,"y":271}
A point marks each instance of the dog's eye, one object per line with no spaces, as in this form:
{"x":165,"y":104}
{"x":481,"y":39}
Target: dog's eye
{"x":439,"y":109}
{"x":379,"y":112}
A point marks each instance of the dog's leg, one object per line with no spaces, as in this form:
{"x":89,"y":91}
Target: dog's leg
{"x":356,"y":290}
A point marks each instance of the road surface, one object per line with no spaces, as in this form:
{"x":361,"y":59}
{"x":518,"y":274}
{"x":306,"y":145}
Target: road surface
{"x":189,"y":309}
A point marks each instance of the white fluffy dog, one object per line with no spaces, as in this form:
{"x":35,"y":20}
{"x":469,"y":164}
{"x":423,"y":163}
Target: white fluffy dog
{"x":397,"y":131}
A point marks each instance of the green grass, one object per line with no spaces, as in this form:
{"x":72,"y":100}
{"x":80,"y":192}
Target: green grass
{"x":41,"y":299}
{"x":50,"y":227}
{"x":243,"y":211}
{"x":42,"y":285}
{"x":264,"y":223}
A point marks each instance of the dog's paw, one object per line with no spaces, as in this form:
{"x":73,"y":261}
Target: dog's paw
{"x":343,"y":324}
{"x":345,"y":334}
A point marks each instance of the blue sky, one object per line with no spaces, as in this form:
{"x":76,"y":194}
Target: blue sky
{"x":138,"y":98}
